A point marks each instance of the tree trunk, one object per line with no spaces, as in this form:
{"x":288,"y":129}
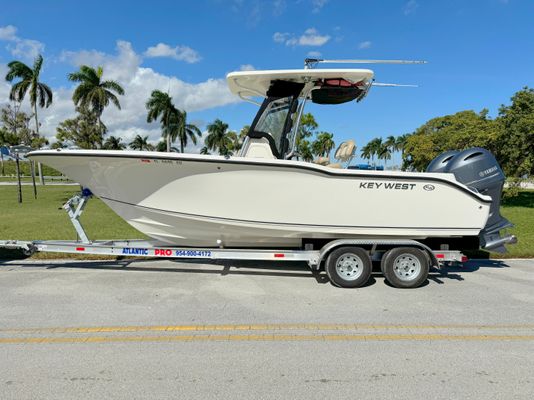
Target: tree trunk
{"x":2,"y":160}
{"x":100,"y":124}
{"x":39,"y":167}
{"x":40,"y":172}
{"x":32,"y":171}
{"x":18,"y":177}
{"x":181,"y":146}
{"x":168,"y":143}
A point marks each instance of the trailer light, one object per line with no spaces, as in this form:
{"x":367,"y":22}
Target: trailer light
{"x":440,"y":255}
{"x":80,"y":248}
{"x":465,"y":259}
{"x":279,"y":255}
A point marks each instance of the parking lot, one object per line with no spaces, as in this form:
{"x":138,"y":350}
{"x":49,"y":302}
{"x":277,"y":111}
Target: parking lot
{"x":162,"y":329}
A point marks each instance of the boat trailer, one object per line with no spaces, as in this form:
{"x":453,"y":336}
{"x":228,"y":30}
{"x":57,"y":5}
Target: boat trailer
{"x":347,"y":263}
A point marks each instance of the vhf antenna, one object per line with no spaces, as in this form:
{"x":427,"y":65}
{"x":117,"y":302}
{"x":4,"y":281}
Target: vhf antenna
{"x":312,"y":62}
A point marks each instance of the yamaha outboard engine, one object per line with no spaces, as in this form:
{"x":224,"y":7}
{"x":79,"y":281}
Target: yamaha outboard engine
{"x":478,"y":169}
{"x":439,"y":164}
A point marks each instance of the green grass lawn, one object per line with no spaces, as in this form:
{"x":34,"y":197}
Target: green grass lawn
{"x":10,"y":168}
{"x":520,"y":211}
{"x":28,"y":179}
{"x":45,"y":219}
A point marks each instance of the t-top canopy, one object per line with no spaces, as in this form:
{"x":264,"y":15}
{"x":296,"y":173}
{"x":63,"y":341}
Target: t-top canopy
{"x":257,"y":83}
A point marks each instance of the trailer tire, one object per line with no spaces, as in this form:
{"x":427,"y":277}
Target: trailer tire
{"x":405,"y":267}
{"x":383,"y":261}
{"x":349,"y":267}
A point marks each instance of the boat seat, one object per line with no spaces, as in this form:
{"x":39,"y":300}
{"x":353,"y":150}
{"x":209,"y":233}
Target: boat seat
{"x":345,"y":151}
{"x":257,"y":148}
{"x":322,"y":160}
{"x":334,"y":165}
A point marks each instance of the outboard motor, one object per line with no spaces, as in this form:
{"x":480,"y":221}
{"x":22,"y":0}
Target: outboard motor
{"x":439,"y":164}
{"x":478,"y":169}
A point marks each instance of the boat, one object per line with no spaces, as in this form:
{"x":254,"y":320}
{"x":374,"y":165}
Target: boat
{"x":266,"y":197}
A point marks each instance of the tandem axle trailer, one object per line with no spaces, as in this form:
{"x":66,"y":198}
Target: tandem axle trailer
{"x":347,"y":262}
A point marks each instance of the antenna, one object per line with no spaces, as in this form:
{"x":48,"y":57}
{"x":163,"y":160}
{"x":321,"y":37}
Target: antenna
{"x":391,"y":85}
{"x":312,"y":62}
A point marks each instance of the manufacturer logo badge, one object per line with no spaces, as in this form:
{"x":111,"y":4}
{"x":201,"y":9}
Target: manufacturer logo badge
{"x":429,"y":188}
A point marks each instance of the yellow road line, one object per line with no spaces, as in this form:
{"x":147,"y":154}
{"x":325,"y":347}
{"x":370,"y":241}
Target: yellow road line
{"x":255,"y":327}
{"x":264,"y":337}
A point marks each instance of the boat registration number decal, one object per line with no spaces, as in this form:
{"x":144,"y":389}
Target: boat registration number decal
{"x":387,"y":185}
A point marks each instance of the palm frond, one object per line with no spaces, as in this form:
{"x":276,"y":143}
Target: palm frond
{"x":113,"y":98}
{"x":19,"y":90}
{"x":46,"y":95}
{"x":37,"y":64}
{"x":114,"y":86}
{"x":18,"y":69}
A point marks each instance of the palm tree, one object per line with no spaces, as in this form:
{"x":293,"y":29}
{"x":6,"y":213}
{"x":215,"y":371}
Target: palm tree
{"x":375,"y":148}
{"x":179,"y":129}
{"x":141,"y":143}
{"x":114,"y":143}
{"x":401,"y":144}
{"x":391,"y":144}
{"x":323,"y":145}
{"x":40,"y":93}
{"x":205,"y":150}
{"x":366,"y":152}
{"x":162,"y":147}
{"x":93,"y":93}
{"x":304,"y":150}
{"x":384,"y":153}
{"x":160,"y":106}
{"x":218,"y":139}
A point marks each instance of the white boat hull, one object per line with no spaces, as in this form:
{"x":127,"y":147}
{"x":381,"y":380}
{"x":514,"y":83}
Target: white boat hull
{"x":192,"y":200}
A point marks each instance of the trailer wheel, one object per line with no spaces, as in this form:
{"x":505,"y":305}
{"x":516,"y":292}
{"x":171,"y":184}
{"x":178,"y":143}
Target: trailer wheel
{"x":405,"y":267}
{"x":349,"y":267}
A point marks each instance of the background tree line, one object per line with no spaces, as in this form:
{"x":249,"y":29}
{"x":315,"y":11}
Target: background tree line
{"x":94,"y":94}
{"x":510,"y":137}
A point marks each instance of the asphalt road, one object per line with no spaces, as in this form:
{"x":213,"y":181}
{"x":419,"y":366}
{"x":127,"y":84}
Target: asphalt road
{"x":151,"y":330}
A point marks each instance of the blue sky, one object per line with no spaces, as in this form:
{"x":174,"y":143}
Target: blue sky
{"x":479,"y":53}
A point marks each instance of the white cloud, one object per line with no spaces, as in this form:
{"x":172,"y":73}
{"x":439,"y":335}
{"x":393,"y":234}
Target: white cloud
{"x":180,"y":53}
{"x":279,"y":6}
{"x":18,"y":47}
{"x":364,"y":45}
{"x":310,"y":37}
{"x":8,"y":32}
{"x":318,"y":5}
{"x":5,"y":87}
{"x":280,"y":37}
{"x":125,"y":66}
{"x":314,"y":54}
{"x":247,"y":67}
{"x":410,"y":7}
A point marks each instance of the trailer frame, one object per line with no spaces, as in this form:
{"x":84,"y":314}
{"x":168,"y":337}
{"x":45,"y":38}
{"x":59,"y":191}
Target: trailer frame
{"x":150,"y":248}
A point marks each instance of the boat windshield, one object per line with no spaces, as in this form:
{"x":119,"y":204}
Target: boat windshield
{"x":272,"y":122}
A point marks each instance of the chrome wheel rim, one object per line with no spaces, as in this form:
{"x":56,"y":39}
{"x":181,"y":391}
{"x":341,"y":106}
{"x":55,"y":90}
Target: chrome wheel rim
{"x":407,"y":267}
{"x":349,"y":266}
